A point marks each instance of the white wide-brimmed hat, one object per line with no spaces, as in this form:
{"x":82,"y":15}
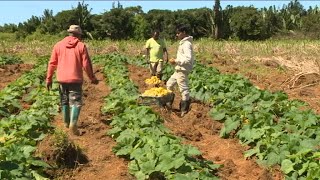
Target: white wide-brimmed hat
{"x":75,"y":29}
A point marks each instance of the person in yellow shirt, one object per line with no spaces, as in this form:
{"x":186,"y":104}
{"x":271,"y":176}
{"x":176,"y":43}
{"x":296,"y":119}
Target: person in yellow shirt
{"x":156,"y":53}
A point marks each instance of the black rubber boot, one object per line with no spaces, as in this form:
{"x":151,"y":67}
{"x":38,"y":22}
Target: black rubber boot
{"x":159,"y":76}
{"x":169,"y":104}
{"x":184,"y":107}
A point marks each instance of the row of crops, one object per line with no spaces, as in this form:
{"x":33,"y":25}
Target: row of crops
{"x":6,"y":60}
{"x":153,"y":152}
{"x":140,"y":135}
{"x":21,"y":129}
{"x":278,"y":131}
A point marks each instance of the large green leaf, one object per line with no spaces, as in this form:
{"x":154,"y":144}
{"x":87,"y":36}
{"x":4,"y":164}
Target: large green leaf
{"x":287,"y":166}
{"x":229,"y":125}
{"x":217,"y":115}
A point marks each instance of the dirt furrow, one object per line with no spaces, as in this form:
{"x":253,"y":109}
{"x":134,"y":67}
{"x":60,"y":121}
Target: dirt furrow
{"x":198,"y":129}
{"x":9,"y":73}
{"x":101,"y":163}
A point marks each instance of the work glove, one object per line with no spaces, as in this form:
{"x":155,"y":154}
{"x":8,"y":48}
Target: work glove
{"x":172,"y":61}
{"x":49,"y":85}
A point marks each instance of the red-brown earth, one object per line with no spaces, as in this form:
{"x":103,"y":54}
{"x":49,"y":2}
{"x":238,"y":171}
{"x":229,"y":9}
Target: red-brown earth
{"x":197,"y":128}
{"x":95,"y":145}
{"x":9,"y":73}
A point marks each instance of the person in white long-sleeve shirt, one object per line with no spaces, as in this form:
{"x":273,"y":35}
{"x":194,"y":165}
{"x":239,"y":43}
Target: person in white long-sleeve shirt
{"x":183,"y":66}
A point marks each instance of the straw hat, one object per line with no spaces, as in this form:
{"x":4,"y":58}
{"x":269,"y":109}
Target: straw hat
{"x":75,"y":29}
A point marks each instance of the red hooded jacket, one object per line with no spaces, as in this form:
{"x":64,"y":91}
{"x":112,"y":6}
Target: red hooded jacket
{"x":69,"y":57}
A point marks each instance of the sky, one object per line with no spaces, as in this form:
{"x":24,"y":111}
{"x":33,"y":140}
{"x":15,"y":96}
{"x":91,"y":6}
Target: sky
{"x":20,"y":11}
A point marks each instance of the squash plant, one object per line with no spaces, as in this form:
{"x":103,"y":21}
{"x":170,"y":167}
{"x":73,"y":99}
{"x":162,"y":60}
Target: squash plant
{"x":140,"y":135}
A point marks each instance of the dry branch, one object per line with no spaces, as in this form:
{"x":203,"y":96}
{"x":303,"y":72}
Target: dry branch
{"x":297,"y":77}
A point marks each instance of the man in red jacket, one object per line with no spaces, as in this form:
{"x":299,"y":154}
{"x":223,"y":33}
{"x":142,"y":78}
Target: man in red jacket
{"x":70,"y":56}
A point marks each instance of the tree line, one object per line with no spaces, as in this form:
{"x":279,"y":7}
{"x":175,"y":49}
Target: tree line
{"x":119,"y":23}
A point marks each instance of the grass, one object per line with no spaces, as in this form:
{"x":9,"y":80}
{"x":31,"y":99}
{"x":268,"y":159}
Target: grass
{"x":207,"y":50}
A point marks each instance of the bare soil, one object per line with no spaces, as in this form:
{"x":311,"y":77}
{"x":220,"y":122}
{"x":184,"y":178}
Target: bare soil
{"x":9,"y":73}
{"x":199,"y":130}
{"x":305,"y":87}
{"x":94,"y":143}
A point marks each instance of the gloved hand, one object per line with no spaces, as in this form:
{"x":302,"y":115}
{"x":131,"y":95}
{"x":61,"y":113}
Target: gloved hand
{"x":94,"y":81}
{"x":172,"y":61}
{"x":49,"y":85}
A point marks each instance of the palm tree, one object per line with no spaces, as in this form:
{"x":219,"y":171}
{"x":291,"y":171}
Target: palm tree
{"x":217,"y":19}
